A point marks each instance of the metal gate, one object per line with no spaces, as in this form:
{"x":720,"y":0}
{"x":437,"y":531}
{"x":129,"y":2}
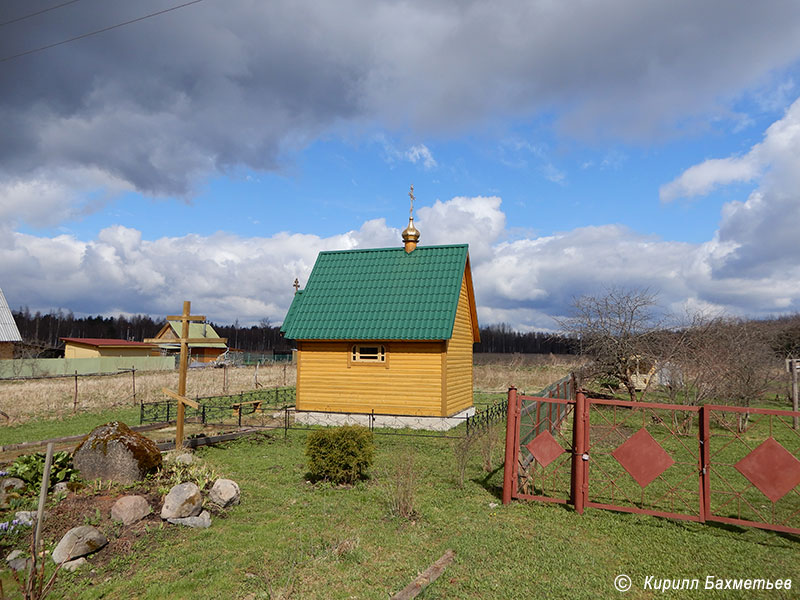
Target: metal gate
{"x":722,"y":463}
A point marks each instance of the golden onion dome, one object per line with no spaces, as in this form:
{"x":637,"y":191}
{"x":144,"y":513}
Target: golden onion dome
{"x":411,"y":233}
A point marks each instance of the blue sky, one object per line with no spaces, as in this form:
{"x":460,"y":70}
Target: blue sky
{"x":209,"y":153}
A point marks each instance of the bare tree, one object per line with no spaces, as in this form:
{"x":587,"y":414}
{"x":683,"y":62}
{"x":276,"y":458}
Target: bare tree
{"x":618,"y":330}
{"x":746,"y":361}
{"x":691,"y":365}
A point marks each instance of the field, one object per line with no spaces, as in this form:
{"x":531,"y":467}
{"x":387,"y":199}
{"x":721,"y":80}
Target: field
{"x":54,"y":398}
{"x":49,"y":398}
{"x":293,"y":539}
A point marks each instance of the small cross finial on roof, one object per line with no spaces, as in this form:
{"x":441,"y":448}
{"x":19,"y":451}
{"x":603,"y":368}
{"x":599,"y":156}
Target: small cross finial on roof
{"x":296,"y":285}
{"x":410,"y":233}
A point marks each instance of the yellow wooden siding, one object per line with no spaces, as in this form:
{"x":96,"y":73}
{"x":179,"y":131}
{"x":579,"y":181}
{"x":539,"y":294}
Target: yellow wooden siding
{"x":75,"y":351}
{"x":459,"y":357}
{"x":71,"y":351}
{"x":410,"y":383}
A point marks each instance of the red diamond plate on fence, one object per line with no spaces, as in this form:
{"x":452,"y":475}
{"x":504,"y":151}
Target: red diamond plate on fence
{"x":545,"y":448}
{"x":643,"y":457}
{"x":772,"y":469}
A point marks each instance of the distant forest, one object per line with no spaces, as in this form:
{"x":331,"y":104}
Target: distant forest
{"x":42,"y":332}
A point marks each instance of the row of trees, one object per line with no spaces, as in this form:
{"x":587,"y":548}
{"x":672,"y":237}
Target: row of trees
{"x":694,"y":358}
{"x":503,"y":338}
{"x":43,"y":332}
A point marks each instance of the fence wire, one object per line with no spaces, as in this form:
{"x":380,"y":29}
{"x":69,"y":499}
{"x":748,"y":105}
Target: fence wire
{"x":274,"y":409}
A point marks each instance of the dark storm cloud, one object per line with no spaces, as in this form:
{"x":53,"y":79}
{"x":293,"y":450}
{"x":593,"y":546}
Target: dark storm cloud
{"x":164,"y":102}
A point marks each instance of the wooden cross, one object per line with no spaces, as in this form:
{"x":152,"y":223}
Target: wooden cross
{"x":185,"y":340}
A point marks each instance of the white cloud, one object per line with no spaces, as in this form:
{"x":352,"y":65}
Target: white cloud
{"x":524,"y":282}
{"x":47,"y":198}
{"x":757,"y":239}
{"x":703,"y":178}
{"x":418,"y":153}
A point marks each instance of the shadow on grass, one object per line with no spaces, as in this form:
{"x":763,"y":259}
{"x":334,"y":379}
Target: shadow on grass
{"x":494,"y":489}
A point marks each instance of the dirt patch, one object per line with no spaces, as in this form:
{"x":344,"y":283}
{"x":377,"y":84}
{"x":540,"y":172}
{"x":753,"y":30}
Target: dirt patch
{"x":88,"y":507}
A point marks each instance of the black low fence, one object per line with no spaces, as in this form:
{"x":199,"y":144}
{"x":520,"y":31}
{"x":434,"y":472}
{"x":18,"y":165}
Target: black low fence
{"x":274,"y":409}
{"x":220,"y":410}
{"x":484,"y":419}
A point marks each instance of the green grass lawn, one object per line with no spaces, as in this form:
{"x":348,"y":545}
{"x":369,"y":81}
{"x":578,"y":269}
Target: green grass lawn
{"x":289,"y":538}
{"x":78,"y":424}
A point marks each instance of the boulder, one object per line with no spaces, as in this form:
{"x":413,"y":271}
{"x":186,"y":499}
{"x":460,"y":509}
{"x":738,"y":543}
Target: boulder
{"x":77,"y":542}
{"x":114,"y":452}
{"x":26,"y":517}
{"x":62,"y":487}
{"x":11,"y":484}
{"x":184,"y":459}
{"x":16,"y":561}
{"x":225,"y":493}
{"x":130,"y":509}
{"x":74,"y":565}
{"x":202,"y":521}
{"x":183,"y":500}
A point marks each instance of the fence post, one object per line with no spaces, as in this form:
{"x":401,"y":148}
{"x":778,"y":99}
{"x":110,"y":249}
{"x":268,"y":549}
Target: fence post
{"x":141,"y":413}
{"x":512,"y":430}
{"x":579,"y":456}
{"x":795,"y":405}
{"x":167,"y":411}
{"x":285,"y":421}
{"x":133,"y":376}
{"x":705,"y":458}
{"x":75,"y":397}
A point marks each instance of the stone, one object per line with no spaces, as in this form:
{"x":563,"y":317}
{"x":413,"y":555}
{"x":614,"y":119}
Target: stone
{"x":184,"y":459}
{"x":62,"y":487}
{"x":12,"y":484}
{"x":17,"y":562}
{"x":130,"y":509}
{"x":77,"y":542}
{"x":183,"y":500}
{"x":74,"y":565}
{"x":26,"y":517}
{"x":114,"y":452}
{"x":202,"y":521}
{"x":225,"y":493}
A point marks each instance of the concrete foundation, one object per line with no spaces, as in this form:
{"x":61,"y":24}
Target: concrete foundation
{"x":383,"y":421}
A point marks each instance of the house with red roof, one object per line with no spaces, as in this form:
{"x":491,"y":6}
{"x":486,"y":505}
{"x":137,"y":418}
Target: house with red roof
{"x":101,"y":347}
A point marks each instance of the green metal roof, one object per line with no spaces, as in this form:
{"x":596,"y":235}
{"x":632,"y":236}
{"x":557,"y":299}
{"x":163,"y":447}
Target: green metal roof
{"x":380,"y":294}
{"x":197,"y":330}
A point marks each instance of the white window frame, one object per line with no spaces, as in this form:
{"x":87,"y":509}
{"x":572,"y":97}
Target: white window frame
{"x":374,"y":358}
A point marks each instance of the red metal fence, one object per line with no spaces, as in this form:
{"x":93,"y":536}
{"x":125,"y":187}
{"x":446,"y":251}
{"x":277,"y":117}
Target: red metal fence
{"x":700,"y":463}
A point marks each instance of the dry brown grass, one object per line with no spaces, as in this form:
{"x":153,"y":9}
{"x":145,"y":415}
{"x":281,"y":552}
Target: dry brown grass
{"x":527,"y":372}
{"x":54,"y":397}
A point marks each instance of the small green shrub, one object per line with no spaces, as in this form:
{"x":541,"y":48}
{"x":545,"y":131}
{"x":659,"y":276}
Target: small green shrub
{"x":30,"y":469}
{"x":173,"y":473}
{"x":339,"y":454}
